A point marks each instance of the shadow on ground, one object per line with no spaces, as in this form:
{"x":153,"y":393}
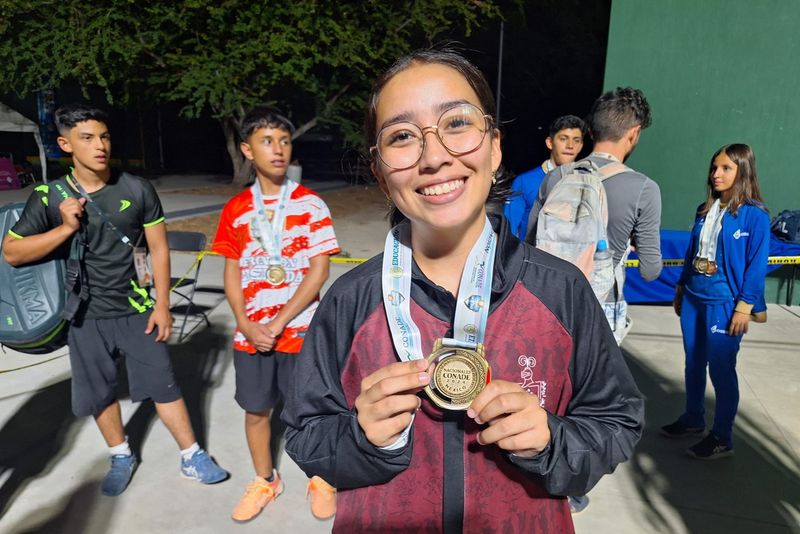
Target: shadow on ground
{"x":754,"y":491}
{"x":33,"y":439}
{"x":41,"y":432}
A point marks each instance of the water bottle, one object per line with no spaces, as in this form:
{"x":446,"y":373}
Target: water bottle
{"x":603,"y":271}
{"x":602,"y":253}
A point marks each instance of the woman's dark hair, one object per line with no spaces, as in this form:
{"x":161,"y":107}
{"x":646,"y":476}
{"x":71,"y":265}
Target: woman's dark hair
{"x":745,"y":187}
{"x":476,"y":80}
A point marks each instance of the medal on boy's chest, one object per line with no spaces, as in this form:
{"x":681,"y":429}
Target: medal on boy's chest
{"x":461,"y":370}
{"x":276,"y":275}
{"x":268,"y":229}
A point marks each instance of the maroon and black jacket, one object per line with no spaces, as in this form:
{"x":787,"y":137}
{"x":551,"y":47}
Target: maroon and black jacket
{"x":546,"y":331}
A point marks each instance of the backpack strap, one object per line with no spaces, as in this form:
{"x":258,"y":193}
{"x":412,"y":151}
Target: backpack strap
{"x":76,"y":280}
{"x":612,"y":169}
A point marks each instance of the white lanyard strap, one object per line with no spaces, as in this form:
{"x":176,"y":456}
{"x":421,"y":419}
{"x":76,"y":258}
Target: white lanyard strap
{"x":474,"y":293}
{"x":270,"y":236}
{"x":709,"y":234}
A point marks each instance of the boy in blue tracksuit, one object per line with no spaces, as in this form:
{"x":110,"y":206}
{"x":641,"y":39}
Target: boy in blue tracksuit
{"x":720,"y":289}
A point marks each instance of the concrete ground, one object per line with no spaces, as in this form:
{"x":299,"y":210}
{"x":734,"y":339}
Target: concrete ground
{"x":51,"y":463}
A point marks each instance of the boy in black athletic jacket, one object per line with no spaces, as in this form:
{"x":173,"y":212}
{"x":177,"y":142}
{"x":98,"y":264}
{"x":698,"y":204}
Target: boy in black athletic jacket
{"x":118,"y":217}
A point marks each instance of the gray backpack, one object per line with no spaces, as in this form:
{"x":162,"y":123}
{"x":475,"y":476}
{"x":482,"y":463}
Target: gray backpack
{"x":572,"y":222}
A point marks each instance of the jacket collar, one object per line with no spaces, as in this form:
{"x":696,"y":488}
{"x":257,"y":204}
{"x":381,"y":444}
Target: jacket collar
{"x":508,"y":264}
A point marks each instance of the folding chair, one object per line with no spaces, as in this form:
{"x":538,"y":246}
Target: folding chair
{"x":186,"y":286}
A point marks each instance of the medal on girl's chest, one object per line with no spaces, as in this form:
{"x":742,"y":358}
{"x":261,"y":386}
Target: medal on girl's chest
{"x":704,"y":261}
{"x":459,"y":376}
{"x":700,"y":265}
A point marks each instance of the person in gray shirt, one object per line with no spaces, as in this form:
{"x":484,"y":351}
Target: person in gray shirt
{"x":615,"y":122}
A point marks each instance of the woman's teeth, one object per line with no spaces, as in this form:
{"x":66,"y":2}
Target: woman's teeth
{"x":441,"y":189}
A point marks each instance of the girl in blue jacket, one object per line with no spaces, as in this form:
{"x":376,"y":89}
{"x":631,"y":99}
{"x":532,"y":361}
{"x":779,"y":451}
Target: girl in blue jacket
{"x":721,"y":289}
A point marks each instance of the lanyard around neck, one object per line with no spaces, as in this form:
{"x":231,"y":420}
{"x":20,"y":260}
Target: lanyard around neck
{"x":472,"y":303}
{"x":93,"y":205}
{"x":270,"y":236}
{"x":709,"y":234}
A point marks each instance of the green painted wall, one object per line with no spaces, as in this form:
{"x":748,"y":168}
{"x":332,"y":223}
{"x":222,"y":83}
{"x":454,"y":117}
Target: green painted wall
{"x":715,"y":72}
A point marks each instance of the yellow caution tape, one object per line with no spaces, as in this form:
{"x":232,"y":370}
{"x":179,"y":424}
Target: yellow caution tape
{"x":347,"y":260}
{"x":773,"y":260}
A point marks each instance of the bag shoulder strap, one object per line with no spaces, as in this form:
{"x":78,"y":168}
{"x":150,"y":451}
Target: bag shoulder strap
{"x":612,"y":169}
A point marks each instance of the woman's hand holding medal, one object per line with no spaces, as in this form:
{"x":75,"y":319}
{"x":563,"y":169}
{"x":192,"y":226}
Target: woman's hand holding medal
{"x":516,"y":422}
{"x":388,"y":400}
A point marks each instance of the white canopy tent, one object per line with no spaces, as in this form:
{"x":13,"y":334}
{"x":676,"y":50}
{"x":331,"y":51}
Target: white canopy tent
{"x":12,"y":121}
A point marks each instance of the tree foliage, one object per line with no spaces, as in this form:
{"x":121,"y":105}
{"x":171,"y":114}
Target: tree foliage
{"x":314,"y":59}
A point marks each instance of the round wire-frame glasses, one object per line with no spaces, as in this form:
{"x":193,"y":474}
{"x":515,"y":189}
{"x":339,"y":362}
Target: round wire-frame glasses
{"x":460,"y":129}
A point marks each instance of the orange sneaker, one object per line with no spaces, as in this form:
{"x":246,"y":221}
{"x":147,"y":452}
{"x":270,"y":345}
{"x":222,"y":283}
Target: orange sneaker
{"x":323,"y":498}
{"x":258,"y":494}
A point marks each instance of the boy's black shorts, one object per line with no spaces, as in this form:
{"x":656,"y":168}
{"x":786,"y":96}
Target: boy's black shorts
{"x":262,"y":379}
{"x":94,"y":349}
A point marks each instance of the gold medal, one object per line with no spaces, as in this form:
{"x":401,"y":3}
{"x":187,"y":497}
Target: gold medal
{"x":458,"y":377}
{"x":276,"y":275}
{"x":700,"y":265}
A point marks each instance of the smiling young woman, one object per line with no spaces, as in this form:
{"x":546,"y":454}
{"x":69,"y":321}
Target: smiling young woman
{"x":412,"y":396}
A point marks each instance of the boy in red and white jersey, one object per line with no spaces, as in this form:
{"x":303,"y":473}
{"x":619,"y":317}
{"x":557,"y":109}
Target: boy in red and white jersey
{"x":276,"y":237}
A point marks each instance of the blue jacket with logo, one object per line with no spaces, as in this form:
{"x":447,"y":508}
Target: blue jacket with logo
{"x":743,"y":251}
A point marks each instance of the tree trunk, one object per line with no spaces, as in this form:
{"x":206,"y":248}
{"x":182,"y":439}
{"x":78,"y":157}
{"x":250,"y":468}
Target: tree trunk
{"x":242,"y":168}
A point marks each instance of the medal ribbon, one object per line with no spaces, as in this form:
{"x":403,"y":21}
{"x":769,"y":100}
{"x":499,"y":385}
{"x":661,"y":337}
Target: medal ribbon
{"x":270,"y":236}
{"x":472,"y":304}
{"x":710,"y":232}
